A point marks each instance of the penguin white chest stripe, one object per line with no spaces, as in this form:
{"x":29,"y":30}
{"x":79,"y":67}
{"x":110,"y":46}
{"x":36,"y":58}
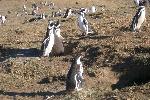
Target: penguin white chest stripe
{"x":141,"y":17}
{"x":83,"y":24}
{"x":49,"y":44}
{"x":138,"y":19}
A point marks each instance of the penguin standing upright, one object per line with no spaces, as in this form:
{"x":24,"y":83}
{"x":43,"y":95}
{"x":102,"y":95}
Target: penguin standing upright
{"x":138,"y":19}
{"x":58,"y":47}
{"x":68,"y":13}
{"x":83,"y":23}
{"x":2,"y":19}
{"x":48,"y":42}
{"x":75,"y":75}
{"x":43,"y":16}
{"x":93,"y":9}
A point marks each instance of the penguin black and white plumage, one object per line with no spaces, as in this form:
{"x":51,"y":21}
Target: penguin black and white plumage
{"x":138,"y":19}
{"x":93,"y":9}
{"x":34,"y":12}
{"x":58,"y":47}
{"x":137,"y":2}
{"x":68,"y":13}
{"x":24,"y":8}
{"x":2,"y":19}
{"x":141,"y":2}
{"x":84,"y":10}
{"x":43,"y":16}
{"x":75,"y":78}
{"x":49,"y":28}
{"x":48,"y":42}
{"x":83,"y":23}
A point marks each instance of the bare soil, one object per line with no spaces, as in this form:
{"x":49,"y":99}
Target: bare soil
{"x":116,"y":61}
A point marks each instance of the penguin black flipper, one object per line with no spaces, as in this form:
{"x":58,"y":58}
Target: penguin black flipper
{"x":135,"y":19}
{"x":66,"y":14}
{"x":85,"y":22}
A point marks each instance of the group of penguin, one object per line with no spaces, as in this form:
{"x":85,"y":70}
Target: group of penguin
{"x":53,"y":43}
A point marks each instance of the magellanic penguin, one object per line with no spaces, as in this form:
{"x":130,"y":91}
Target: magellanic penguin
{"x":68,"y":13}
{"x":48,"y":42}
{"x":75,"y":78}
{"x":137,"y":2}
{"x":83,"y":23}
{"x":141,"y":2}
{"x":2,"y":19}
{"x":93,"y":9}
{"x":58,"y":47}
{"x":43,"y":16}
{"x":138,"y":19}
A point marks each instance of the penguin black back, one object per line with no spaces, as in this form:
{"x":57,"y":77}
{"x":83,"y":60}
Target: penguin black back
{"x":67,"y":13}
{"x":73,"y":76}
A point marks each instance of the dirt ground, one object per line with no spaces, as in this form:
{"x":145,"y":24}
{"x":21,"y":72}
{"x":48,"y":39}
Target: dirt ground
{"x":116,"y":61}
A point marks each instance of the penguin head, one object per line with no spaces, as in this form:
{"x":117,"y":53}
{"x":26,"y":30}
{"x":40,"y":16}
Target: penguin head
{"x":69,"y":10}
{"x":77,"y":58}
{"x":82,"y":12}
{"x":50,"y":24}
{"x":142,"y":3}
{"x":57,"y":24}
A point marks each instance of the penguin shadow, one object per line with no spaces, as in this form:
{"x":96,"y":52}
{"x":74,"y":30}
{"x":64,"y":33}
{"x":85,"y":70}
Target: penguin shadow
{"x":125,"y":29}
{"x":6,"y":53}
{"x":46,"y":94}
{"x":91,"y":55}
{"x":69,"y":47}
{"x":96,"y":15}
{"x":52,"y":79}
{"x":134,"y":70}
{"x":93,"y":36}
{"x":66,"y":20}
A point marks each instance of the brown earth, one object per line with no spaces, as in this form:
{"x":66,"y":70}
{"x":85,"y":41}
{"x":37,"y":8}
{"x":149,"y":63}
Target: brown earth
{"x":116,"y":61}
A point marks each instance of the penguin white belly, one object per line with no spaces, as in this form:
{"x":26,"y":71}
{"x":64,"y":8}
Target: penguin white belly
{"x":81,"y":25}
{"x":48,"y":49}
{"x":141,"y":20}
{"x":58,"y":45}
{"x":58,"y":34}
{"x":136,"y":2}
{"x":69,"y":13}
{"x":93,"y":9}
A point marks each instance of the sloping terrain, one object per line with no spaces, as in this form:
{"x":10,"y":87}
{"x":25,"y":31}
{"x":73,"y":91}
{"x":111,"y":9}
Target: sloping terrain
{"x":116,"y":61}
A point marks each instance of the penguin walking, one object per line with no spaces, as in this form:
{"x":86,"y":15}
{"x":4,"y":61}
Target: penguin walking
{"x":58,"y":47}
{"x":68,"y":13}
{"x":138,"y":19}
{"x":83,"y":23}
{"x":48,"y":42}
{"x":75,"y":78}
